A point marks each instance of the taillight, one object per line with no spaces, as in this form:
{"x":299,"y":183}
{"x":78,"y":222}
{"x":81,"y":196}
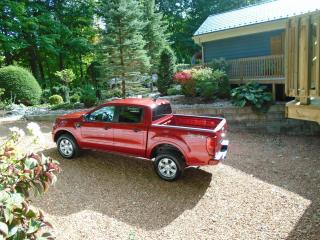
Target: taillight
{"x":211,"y":145}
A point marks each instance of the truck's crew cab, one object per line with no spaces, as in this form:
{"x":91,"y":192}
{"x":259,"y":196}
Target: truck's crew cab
{"x":144,"y":128}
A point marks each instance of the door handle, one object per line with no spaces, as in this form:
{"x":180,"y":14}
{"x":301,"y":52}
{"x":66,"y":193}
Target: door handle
{"x":107,"y":128}
{"x":136,"y":130}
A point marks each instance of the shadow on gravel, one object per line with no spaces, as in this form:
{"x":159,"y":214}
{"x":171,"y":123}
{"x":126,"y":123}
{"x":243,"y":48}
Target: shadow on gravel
{"x":126,"y":189}
{"x":290,"y":162}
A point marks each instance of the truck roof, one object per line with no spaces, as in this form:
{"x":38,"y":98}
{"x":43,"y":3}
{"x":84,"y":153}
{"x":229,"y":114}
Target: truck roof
{"x":145,"y":102}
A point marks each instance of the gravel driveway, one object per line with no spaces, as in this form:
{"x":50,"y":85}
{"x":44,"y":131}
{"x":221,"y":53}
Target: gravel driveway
{"x":269,"y":188}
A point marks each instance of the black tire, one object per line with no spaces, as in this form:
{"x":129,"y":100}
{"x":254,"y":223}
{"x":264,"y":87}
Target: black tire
{"x":69,"y":141}
{"x":174,"y":159}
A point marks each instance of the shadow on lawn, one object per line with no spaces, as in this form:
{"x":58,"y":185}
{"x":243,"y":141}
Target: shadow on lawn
{"x":290,"y":162}
{"x":126,"y":189}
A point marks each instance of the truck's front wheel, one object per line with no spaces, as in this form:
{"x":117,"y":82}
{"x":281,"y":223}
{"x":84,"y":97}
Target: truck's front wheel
{"x":67,"y":146}
{"x":169,"y":166}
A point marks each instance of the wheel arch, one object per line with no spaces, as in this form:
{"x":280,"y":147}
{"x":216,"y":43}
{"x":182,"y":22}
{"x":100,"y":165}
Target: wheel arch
{"x":61,"y":132}
{"x":163,"y":147}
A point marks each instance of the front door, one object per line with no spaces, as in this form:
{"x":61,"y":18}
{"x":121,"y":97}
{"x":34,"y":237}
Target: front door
{"x":129,"y":131}
{"x":96,"y":129}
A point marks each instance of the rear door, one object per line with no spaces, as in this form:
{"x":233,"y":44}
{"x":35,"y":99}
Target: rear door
{"x":96,"y":130}
{"x":130,"y":131}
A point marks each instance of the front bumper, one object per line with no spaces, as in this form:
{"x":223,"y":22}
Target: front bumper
{"x":222,"y":154}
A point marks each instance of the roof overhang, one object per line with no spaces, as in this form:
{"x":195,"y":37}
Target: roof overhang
{"x":241,"y":31}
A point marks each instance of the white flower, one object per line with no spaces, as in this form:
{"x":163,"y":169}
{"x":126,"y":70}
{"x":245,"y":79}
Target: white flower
{"x":17,"y":132}
{"x":33,"y":128}
{"x":35,"y":131}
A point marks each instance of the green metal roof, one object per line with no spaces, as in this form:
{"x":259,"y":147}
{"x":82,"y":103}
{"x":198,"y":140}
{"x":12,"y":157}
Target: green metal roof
{"x":266,"y":12}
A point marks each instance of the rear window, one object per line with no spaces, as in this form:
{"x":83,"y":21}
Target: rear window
{"x":160,"y":111}
{"x":130,"y":114}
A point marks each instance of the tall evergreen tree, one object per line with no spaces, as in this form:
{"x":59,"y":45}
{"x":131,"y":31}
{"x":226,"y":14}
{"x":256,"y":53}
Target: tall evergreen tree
{"x":123,"y":44}
{"x":166,"y":70}
{"x":154,"y":32}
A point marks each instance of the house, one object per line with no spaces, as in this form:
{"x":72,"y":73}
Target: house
{"x":252,"y":39}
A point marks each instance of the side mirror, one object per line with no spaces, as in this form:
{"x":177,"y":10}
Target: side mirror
{"x":85,"y":117}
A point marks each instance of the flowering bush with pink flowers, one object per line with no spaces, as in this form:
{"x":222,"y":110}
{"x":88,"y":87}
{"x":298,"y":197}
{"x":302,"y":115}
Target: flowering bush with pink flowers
{"x":188,"y":85}
{"x":20,"y":174}
{"x":203,"y":82}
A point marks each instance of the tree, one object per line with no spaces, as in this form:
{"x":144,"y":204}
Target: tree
{"x":123,"y":44}
{"x":66,"y":76}
{"x":47,"y":36}
{"x":154,"y":32}
{"x":166,"y":70}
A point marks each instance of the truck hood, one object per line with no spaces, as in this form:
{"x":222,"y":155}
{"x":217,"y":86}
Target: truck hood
{"x":73,"y":115}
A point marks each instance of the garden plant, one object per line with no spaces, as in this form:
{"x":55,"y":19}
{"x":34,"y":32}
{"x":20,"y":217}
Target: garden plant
{"x":20,"y":174}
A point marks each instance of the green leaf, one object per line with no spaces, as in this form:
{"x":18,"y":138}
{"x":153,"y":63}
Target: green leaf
{"x":31,"y":163}
{"x":4,"y":228}
{"x":243,"y":103}
{"x":33,"y":226}
{"x":8,"y":215}
{"x":32,"y":212}
{"x":13,"y":231}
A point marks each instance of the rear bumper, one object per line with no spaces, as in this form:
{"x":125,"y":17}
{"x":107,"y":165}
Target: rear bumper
{"x":222,"y":154}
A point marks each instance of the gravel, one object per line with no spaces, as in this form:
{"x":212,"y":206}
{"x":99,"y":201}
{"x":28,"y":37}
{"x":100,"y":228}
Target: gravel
{"x":268,"y":188}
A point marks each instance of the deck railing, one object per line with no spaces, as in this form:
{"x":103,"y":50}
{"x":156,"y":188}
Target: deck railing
{"x":254,"y":68}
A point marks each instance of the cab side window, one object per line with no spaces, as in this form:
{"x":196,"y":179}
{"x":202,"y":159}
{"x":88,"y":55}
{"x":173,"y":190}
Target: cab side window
{"x":127,"y":114}
{"x":104,"y":114}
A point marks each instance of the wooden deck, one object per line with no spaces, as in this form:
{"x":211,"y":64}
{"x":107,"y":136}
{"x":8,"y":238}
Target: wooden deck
{"x":265,"y":68}
{"x":310,"y":112}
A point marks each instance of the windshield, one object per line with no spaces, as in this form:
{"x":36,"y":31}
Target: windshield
{"x":160,"y":111}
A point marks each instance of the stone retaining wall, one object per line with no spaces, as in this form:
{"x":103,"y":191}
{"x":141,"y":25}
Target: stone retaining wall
{"x":239,"y":119}
{"x":244,"y":119}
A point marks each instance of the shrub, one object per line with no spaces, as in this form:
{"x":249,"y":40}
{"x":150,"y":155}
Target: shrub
{"x":20,"y":174}
{"x":1,"y":93}
{"x":219,"y":64}
{"x":66,"y":76}
{"x":166,"y":70}
{"x":20,"y":85}
{"x":55,"y":99}
{"x":183,"y":66}
{"x":75,"y":98}
{"x":114,"y":93}
{"x":252,"y":94}
{"x":223,"y":83}
{"x":46,"y":93}
{"x":202,"y":74}
{"x":206,"y":84}
{"x":174,"y":90}
{"x":88,"y":96}
{"x":188,"y":85}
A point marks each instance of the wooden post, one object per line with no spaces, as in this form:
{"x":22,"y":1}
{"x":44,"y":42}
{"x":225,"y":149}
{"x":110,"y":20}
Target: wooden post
{"x":295,"y":54}
{"x":304,"y":53}
{"x":274,"y":91}
{"x":317,"y":85}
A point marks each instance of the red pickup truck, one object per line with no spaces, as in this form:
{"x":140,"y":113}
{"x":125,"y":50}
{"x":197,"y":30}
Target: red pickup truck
{"x":144,"y":128}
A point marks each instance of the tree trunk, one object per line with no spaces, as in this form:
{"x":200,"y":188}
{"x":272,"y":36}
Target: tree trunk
{"x":8,"y":58}
{"x":66,"y":94}
{"x":123,"y":83}
{"x":41,"y":70}
{"x":33,"y":61}
{"x":81,"y":69}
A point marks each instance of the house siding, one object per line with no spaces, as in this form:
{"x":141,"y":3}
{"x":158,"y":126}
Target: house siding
{"x":240,"y":47}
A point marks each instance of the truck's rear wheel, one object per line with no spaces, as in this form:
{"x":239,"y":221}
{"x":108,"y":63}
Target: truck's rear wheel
{"x":169,"y":166}
{"x":67,"y":146}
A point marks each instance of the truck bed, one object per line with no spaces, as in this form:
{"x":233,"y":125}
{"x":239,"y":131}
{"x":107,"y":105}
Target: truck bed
{"x":189,"y":121}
